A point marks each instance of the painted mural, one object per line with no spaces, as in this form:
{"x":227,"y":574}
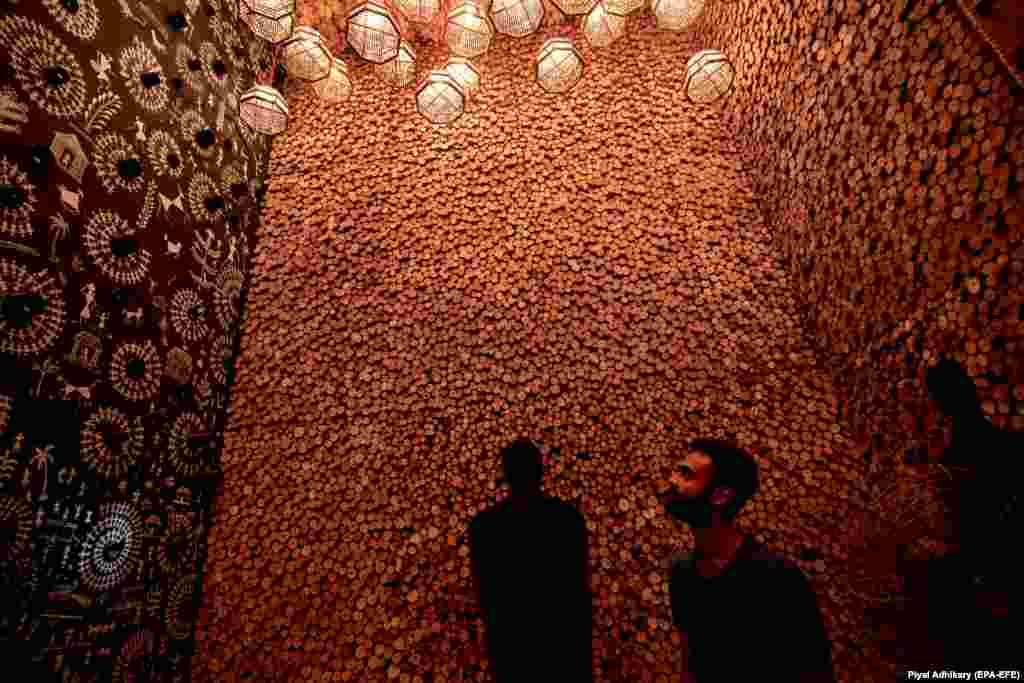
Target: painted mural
{"x":128,"y":195}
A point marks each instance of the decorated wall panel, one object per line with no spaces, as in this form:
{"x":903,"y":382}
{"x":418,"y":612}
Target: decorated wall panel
{"x":127,"y":204}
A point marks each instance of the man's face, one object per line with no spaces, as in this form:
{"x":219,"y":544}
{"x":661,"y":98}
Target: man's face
{"x":691,"y":477}
{"x":689,"y":491}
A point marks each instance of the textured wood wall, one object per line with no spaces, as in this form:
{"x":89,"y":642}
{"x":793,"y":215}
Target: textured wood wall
{"x":596,"y":269}
{"x":885,"y":146}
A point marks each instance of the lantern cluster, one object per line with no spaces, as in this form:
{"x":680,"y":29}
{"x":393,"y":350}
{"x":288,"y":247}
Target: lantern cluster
{"x":375,"y":31}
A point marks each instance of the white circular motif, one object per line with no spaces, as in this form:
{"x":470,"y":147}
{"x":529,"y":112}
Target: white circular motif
{"x":83,"y":21}
{"x":135,"y":61}
{"x":111,"y":150}
{"x":46,"y":68}
{"x":43,"y":328}
{"x":124,"y":371}
{"x":201,"y":189}
{"x":165,"y":155}
{"x":16,"y":209}
{"x":111,"y":550}
{"x":103,"y":233}
{"x":188,"y":315}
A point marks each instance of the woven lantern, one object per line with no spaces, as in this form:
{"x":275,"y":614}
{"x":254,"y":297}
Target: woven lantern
{"x":624,"y":7}
{"x":306,"y":55}
{"x":440,"y":98}
{"x":575,"y":7}
{"x":271,"y":20}
{"x":517,"y":18}
{"x":559,"y":65}
{"x":463,"y":71}
{"x":420,"y":11}
{"x":337,"y":87}
{"x":264,"y":110}
{"x":709,"y":76}
{"x":374,"y":32}
{"x":469,"y":30}
{"x":601,"y":27}
{"x":400,"y":71}
{"x":676,"y":15}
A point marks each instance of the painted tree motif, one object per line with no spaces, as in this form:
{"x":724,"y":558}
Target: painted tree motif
{"x":41,"y":460}
{"x":206,"y":253}
{"x":59,"y":229}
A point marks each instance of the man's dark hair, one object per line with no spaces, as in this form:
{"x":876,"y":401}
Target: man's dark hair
{"x":950,"y":385}
{"x":732,"y":467}
{"x":523,"y":464}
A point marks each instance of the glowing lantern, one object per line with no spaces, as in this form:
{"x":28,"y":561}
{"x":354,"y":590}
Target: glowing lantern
{"x":517,"y":18}
{"x":271,"y":20}
{"x":676,"y":15}
{"x":337,"y":87}
{"x":624,"y":7}
{"x":469,"y":30}
{"x":420,"y":11}
{"x":264,"y":110}
{"x":575,"y":7}
{"x":440,"y":98}
{"x":709,"y":76}
{"x":559,"y":65}
{"x":601,"y":27}
{"x":374,"y":32}
{"x":400,"y":71}
{"x":306,"y":55}
{"x":463,"y":71}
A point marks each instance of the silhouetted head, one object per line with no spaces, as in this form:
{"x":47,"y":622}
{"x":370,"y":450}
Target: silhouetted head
{"x":952,"y":388}
{"x":524,"y":467}
{"x":713,"y":482}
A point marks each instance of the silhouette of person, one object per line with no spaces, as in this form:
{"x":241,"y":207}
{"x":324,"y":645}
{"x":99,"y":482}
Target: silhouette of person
{"x":531,"y":569}
{"x":974,"y":599}
{"x":744,"y":614}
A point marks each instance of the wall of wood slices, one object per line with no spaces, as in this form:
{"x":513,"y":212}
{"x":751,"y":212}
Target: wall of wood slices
{"x":613,"y":271}
{"x":885,"y":144}
{"x":126,"y":225}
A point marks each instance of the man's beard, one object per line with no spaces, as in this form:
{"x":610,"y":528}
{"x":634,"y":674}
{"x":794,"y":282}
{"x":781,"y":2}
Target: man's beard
{"x":693,"y":511}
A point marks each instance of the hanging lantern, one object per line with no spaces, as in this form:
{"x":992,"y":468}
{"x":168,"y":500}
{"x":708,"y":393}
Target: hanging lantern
{"x":559,"y":65}
{"x":517,"y":18}
{"x":264,"y":110}
{"x":601,"y":27}
{"x":575,"y":7}
{"x":400,"y":71}
{"x":463,"y":71}
{"x":469,"y":30}
{"x":271,"y":20}
{"x":676,"y":15}
{"x":420,"y":11}
{"x":709,"y":76}
{"x":337,"y":87}
{"x":306,"y":55}
{"x":624,"y":7}
{"x":374,"y":32}
{"x":440,"y":98}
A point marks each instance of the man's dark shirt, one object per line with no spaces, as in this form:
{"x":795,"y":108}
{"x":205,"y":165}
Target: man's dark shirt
{"x":757,"y":620}
{"x":531,"y":570}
